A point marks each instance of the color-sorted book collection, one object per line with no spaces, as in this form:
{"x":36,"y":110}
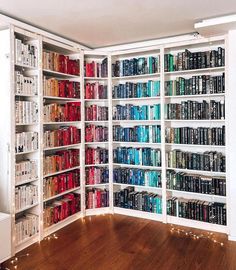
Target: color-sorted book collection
{"x":96,"y":198}
{"x":61,"y":208}
{"x":53,"y":87}
{"x":26,"y":170}
{"x":95,"y":91}
{"x":137,"y":156}
{"x":139,"y":177}
{"x":96,"y":175}
{"x":197,"y":136}
{"x":136,"y":66}
{"x":96,"y":133}
{"x":194,"y":60}
{"x":96,"y":156}
{"x":25,"y":54}
{"x":26,"y":141}
{"x":60,"y":63}
{"x":26,"y":112}
{"x":62,"y":112}
{"x":142,"y":201}
{"x":136,"y":90}
{"x":133,"y":112}
{"x":25,"y":196}
{"x":196,"y":183}
{"x":148,"y":134}
{"x":211,"y":212}
{"x":207,"y":161}
{"x":196,"y":85}
{"x":96,"y":69}
{"x":57,"y":184}
{"x":61,"y":160}
{"x":26,"y":226}
{"x":194,"y":110}
{"x":96,"y":113}
{"x":25,"y":85}
{"x":62,"y":136}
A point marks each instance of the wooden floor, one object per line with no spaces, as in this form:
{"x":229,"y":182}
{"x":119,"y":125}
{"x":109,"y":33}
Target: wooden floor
{"x":119,"y":243}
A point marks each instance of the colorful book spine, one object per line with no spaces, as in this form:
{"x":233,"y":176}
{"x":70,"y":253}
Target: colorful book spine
{"x":96,"y":69}
{"x":95,"y":90}
{"x":96,"y":156}
{"x":25,"y":85}
{"x":97,"y":198}
{"x":25,"y":54}
{"x":25,"y":195}
{"x":96,"y":113}
{"x":26,"y":170}
{"x":137,"y":156}
{"x":26,"y":141}
{"x":26,"y":112}
{"x":96,"y":133}
{"x":96,"y":175}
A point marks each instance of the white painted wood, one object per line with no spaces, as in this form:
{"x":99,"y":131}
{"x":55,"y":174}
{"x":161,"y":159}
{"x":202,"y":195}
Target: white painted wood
{"x":5,"y":237}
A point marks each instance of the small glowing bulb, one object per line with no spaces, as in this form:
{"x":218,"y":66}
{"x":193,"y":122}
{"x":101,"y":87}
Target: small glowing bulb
{"x":186,"y":233}
{"x":214,"y":241}
{"x":197,"y":237}
{"x":15,"y":267}
{"x":16,"y":259}
{"x":221,"y":244}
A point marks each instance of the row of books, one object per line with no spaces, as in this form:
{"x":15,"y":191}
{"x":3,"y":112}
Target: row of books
{"x":25,"y":85}
{"x":61,"y":160}
{"x":148,"y":134}
{"x":96,"y":198}
{"x":196,"y":85}
{"x":26,"y":170}
{"x":194,"y":60}
{"x":211,"y":212}
{"x":193,"y":110}
{"x":142,"y":201}
{"x":55,"y":112}
{"x":60,"y":88}
{"x":207,"y":161}
{"x":96,"y":156}
{"x":137,"y":156}
{"x":96,"y":133}
{"x":25,"y":196}
{"x":26,"y":141}
{"x":133,"y":112}
{"x":199,"y":136}
{"x":96,"y":175}
{"x":196,"y":183}
{"x":25,"y":54}
{"x":136,"y":66}
{"x":96,"y":113}
{"x":62,"y":136}
{"x":96,"y":69}
{"x":95,"y":91}
{"x":136,"y":90}
{"x":26,"y":226}
{"x":26,"y":112}
{"x":60,"y":63}
{"x":58,"y":210}
{"x":57,"y":184}
{"x":139,"y":177}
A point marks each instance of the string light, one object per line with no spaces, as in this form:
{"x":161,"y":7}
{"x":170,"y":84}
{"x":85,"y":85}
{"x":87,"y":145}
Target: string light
{"x":210,"y":236}
{"x":52,"y":236}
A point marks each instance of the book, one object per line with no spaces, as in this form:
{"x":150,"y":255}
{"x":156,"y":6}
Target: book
{"x":211,"y":212}
{"x":197,"y":136}
{"x":207,"y":161}
{"x":26,"y":170}
{"x":96,"y":175}
{"x":61,"y":160}
{"x":196,"y":85}
{"x":196,"y":183}
{"x":137,"y":156}
{"x":136,"y":90}
{"x":26,"y":112}
{"x":60,"y":88}
{"x":57,"y":184}
{"x":143,"y":201}
{"x":95,"y":90}
{"x":187,"y":60}
{"x":62,"y":136}
{"x":96,"y":156}
{"x":96,"y":113}
{"x":25,"y":195}
{"x":96,"y":69}
{"x":133,"y":112}
{"x":136,"y":66}
{"x":25,"y":85}
{"x":60,"y":63}
{"x":96,"y":198}
{"x":26,"y":141}
{"x":139,"y":177}
{"x":142,"y":133}
{"x":68,"y":112}
{"x":95,"y":133}
{"x":26,"y":54}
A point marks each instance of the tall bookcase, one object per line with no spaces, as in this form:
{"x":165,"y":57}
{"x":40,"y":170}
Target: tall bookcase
{"x":152,"y":176}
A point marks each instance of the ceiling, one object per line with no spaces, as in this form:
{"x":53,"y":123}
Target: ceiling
{"x":99,"y":23}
